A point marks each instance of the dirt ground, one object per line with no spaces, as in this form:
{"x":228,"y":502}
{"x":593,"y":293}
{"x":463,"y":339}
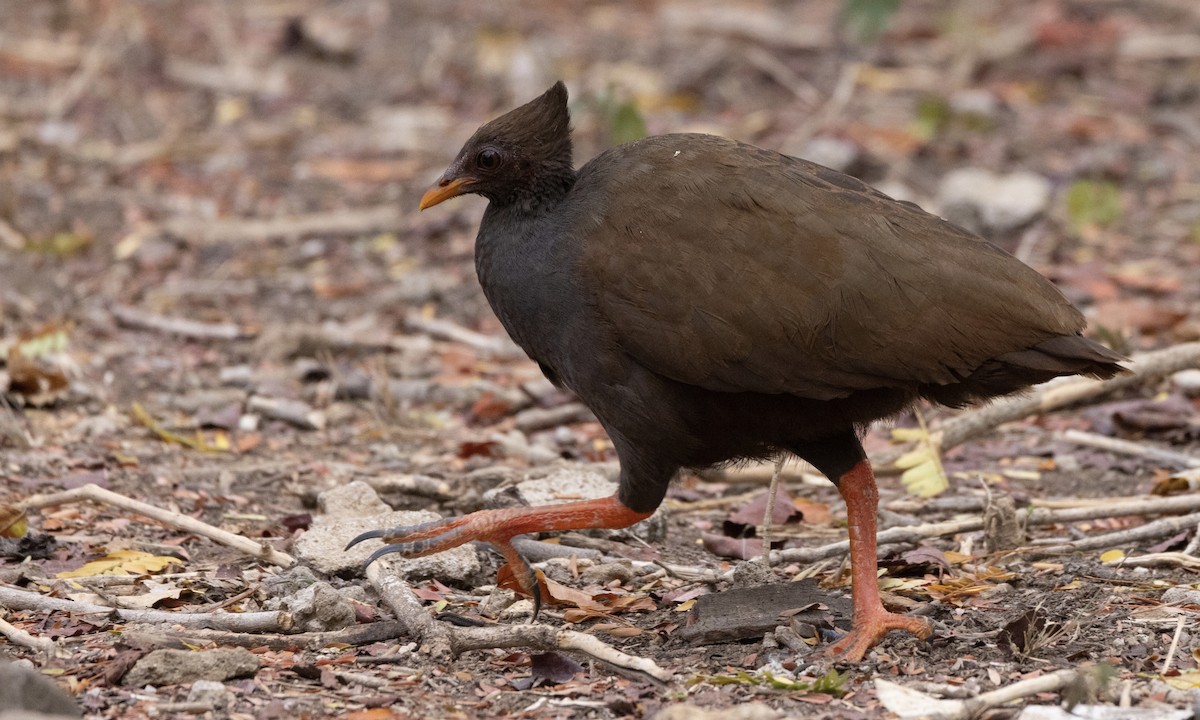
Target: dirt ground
{"x":216,"y":296}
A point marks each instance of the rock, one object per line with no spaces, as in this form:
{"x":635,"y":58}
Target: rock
{"x":24,"y":690}
{"x":577,"y":483}
{"x":497,"y":602}
{"x":318,"y":608}
{"x":521,"y":610}
{"x":1188,"y":381}
{"x":1181,"y":596}
{"x":353,"y":509}
{"x":981,"y":201}
{"x":832,"y":152}
{"x":975,"y":102}
{"x":604,"y":573}
{"x":289,"y":582}
{"x":173,"y":667}
{"x":211,"y":692}
{"x":746,"y":711}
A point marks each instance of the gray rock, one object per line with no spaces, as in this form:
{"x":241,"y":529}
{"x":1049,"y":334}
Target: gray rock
{"x":982,"y":201}
{"x":25,"y":690}
{"x":1188,"y":381}
{"x":289,"y":582}
{"x":319,"y":608}
{"x":1181,"y":596}
{"x":211,"y":692}
{"x":832,"y":152}
{"x":604,"y":573}
{"x":354,"y":509}
{"x":745,"y":711}
{"x":173,"y":667}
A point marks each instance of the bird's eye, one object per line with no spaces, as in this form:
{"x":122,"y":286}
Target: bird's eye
{"x":488,"y":159}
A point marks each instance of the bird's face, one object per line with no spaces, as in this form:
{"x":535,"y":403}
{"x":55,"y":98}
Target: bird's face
{"x":505,"y":158}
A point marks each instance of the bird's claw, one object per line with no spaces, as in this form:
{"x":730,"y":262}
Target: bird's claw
{"x":869,"y":630}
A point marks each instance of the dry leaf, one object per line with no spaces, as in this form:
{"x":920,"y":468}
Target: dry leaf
{"x":13,"y":523}
{"x":123,"y":562}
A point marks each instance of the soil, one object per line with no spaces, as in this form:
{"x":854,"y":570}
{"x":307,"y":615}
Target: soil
{"x":256,"y":168}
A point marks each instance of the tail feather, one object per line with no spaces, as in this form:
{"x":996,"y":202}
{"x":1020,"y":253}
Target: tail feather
{"x":1015,"y":371}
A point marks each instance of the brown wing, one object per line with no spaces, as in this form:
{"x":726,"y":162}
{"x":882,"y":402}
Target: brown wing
{"x":738,"y":269}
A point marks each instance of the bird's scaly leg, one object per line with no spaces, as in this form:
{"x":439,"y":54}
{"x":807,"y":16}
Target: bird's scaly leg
{"x":871,"y":621}
{"x":498,"y":527}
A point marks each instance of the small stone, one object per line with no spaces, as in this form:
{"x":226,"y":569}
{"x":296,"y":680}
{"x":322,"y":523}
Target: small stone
{"x":1181,"y":596}
{"x":353,"y":509}
{"x":744,"y":711}
{"x":605,"y":573}
{"x":520,"y":610}
{"x":1188,"y":381}
{"x":496,"y":603}
{"x":173,"y":667}
{"x":832,"y":152}
{"x":320,"y":608}
{"x":24,"y":689}
{"x":211,"y":692}
{"x":982,"y":201}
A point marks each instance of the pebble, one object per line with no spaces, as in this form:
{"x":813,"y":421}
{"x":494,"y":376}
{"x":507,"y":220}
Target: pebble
{"x":982,"y":201}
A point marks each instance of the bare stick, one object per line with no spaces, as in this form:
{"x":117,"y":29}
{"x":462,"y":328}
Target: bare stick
{"x":17,"y":636}
{"x":769,"y":513}
{"x":274,"y":621}
{"x":339,"y":222}
{"x":433,"y":636}
{"x":1174,"y":646}
{"x":1156,"y":529}
{"x":95,"y":493}
{"x":914,"y":534}
{"x":544,"y":637}
{"x":10,"y":237}
{"x":194,"y":329}
{"x":1163,"y":559}
{"x":497,"y":346}
{"x":1125,"y":447}
{"x":899,"y":698}
{"x":442,"y":642}
{"x":364,"y":634}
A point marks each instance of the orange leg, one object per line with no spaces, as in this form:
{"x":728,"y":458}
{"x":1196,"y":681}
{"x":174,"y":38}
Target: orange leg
{"x":871,"y":621}
{"x":498,"y":527}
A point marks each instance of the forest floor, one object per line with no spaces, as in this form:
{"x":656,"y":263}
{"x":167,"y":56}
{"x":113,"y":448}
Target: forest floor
{"x":217,"y":297}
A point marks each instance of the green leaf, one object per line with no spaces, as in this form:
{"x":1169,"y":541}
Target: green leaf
{"x":627,"y":124}
{"x":1093,"y":202}
{"x":865,"y":20}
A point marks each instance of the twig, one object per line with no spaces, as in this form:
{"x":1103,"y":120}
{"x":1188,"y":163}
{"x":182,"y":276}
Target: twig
{"x":227,"y":78}
{"x":500,"y":347}
{"x":95,"y":493}
{"x":17,"y":636}
{"x":544,"y":637}
{"x":913,"y":534}
{"x":194,"y":329}
{"x":273,"y":621}
{"x":441,"y":642}
{"x":1156,"y":529}
{"x":1051,"y":396}
{"x":364,"y":634}
{"x":769,"y":513}
{"x":94,"y":60}
{"x":433,"y":636}
{"x":10,"y":237}
{"x":909,"y":703}
{"x":419,"y":485}
{"x":534,"y":419}
{"x":1126,"y":447}
{"x":1174,"y":646}
{"x":359,"y":221}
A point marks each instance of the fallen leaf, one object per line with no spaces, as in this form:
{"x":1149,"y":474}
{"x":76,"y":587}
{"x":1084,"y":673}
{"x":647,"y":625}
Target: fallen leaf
{"x":13,"y":523}
{"x":123,"y":562}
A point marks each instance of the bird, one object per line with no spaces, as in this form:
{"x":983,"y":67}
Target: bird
{"x":712,"y":302}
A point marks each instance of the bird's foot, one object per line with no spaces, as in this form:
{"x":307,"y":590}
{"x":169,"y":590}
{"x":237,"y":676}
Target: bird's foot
{"x":498,"y":527}
{"x":870,"y":629}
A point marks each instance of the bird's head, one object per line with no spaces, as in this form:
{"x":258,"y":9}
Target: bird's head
{"x":521,"y":155}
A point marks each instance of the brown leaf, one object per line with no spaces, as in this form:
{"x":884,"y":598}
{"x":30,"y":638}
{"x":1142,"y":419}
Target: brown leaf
{"x":730,"y":547}
{"x":744,"y":521}
{"x":13,"y":523}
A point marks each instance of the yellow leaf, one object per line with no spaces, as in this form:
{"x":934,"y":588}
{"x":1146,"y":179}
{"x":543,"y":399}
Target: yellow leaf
{"x":1112,"y":556}
{"x":912,"y":458}
{"x":911,"y":434}
{"x":13,"y":523}
{"x":123,"y":562}
{"x":1073,"y":585}
{"x":926,"y":479}
{"x":1184,"y":681}
{"x":685,"y":605}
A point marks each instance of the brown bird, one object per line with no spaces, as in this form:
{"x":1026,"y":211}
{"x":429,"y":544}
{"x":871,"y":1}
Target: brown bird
{"x":712,"y":301}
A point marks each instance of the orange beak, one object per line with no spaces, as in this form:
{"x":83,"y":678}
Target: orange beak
{"x":444,"y":190}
